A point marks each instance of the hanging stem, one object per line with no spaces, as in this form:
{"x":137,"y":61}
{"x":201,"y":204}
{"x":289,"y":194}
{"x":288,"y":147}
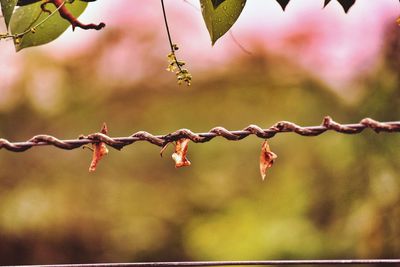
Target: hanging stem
{"x":167,"y":27}
{"x":175,"y":65}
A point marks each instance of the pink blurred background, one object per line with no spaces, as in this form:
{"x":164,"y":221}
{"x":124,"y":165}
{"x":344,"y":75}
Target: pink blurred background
{"x":333,"y":45}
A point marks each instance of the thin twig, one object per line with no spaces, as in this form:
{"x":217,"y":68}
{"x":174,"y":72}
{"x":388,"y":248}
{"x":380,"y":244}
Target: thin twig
{"x":166,"y":26}
{"x":171,"y":44}
{"x":241,"y":47}
{"x":161,"y":140}
{"x":192,"y":5}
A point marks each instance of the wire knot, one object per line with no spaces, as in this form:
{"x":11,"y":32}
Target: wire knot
{"x":101,"y":137}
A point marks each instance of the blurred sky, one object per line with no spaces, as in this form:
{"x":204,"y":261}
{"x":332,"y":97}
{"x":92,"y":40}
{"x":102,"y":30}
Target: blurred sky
{"x":334,"y":45}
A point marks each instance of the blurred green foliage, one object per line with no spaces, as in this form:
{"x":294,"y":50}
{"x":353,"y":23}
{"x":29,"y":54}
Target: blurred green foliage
{"x":332,"y":196}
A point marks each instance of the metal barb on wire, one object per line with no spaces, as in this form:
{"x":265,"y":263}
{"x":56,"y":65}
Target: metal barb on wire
{"x":161,"y":140}
{"x":235,"y":263}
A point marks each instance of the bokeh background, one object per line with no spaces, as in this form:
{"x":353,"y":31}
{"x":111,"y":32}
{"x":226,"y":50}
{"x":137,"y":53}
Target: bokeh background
{"x":332,"y":196}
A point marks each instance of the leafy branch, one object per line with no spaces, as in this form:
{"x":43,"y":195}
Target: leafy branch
{"x":17,"y":36}
{"x":22,"y":25}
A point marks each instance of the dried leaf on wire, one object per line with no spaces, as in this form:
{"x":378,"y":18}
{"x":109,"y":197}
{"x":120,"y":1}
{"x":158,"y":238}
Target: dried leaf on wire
{"x":179,"y":156}
{"x":99,"y":150}
{"x":267,"y":159}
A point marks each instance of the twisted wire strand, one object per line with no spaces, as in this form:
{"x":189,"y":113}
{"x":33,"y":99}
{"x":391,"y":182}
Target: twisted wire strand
{"x":328,"y":124}
{"x":392,"y":262}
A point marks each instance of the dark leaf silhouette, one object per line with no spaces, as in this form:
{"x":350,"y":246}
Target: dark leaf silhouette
{"x":216,"y":3}
{"x":283,"y":3}
{"x":346,"y":4}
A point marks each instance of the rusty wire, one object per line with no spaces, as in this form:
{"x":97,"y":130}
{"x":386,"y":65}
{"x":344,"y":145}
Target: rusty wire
{"x":235,"y":263}
{"x":162,"y":140}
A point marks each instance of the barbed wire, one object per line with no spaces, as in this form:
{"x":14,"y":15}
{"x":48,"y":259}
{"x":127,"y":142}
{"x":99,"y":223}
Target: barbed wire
{"x":235,"y":263}
{"x":161,"y":140}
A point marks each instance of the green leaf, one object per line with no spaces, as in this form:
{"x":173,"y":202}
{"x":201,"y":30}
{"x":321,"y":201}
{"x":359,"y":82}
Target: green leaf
{"x":27,"y":17}
{"x":220,"y":19}
{"x":7,"y":8}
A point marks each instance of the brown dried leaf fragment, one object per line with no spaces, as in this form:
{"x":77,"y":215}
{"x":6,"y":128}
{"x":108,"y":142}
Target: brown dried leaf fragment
{"x":179,"y":156}
{"x":398,"y":21}
{"x":267,"y":159}
{"x":99,"y":150}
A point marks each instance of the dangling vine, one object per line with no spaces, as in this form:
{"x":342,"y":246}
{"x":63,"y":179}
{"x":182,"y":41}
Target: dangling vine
{"x":175,"y":65}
